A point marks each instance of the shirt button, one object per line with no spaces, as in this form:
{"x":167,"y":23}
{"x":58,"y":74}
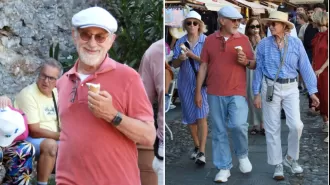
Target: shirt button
{"x":82,"y":85}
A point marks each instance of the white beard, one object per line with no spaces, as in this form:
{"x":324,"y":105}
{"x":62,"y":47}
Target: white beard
{"x":88,"y":59}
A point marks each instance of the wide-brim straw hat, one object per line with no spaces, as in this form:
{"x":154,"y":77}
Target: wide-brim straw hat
{"x":277,"y":16}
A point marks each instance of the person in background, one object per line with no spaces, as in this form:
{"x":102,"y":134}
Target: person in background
{"x":310,"y":33}
{"x":300,"y":10}
{"x":255,"y":33}
{"x":37,"y":102}
{"x":270,"y":53}
{"x":321,"y":63}
{"x":193,"y":116}
{"x":18,"y":154}
{"x":225,"y":67}
{"x":151,"y":71}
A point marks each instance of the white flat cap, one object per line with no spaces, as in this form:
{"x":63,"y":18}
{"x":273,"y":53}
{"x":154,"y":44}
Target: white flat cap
{"x":95,"y":17}
{"x":230,"y":12}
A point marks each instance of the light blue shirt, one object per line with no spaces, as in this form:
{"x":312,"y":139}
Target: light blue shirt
{"x":268,"y":58}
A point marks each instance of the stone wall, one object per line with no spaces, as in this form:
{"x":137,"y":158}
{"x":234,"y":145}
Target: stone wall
{"x":27,"y":29}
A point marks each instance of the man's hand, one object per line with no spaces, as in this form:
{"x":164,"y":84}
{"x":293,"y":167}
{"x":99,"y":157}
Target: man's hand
{"x":318,"y":72}
{"x":5,"y":101}
{"x":242,"y":58}
{"x":315,"y":100}
{"x":257,"y":101}
{"x":198,"y":99}
{"x":101,"y":105}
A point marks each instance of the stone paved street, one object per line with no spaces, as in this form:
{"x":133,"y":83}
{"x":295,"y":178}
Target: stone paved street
{"x":180,"y":170}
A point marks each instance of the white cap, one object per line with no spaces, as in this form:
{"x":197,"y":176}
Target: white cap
{"x":230,"y":12}
{"x":95,"y":17}
{"x":193,"y":15}
{"x":11,"y":126}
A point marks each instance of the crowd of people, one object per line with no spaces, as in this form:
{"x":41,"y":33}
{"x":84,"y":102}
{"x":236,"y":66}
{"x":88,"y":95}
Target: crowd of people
{"x":85,"y":125}
{"x":247,"y":77}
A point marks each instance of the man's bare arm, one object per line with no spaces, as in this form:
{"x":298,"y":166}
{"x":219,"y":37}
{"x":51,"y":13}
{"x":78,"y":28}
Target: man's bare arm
{"x":36,"y":132}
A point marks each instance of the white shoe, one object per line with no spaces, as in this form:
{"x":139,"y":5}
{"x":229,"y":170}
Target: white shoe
{"x":245,"y":165}
{"x":278,"y":174}
{"x":325,"y":127}
{"x":293,"y":165}
{"x":222,"y":176}
{"x":326,"y":140}
{"x":194,"y":154}
{"x":200,"y":158}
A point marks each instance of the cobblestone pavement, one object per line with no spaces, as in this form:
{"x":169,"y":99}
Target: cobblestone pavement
{"x":180,"y":170}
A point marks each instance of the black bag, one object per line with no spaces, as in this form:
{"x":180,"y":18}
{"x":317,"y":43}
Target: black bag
{"x":192,"y":63}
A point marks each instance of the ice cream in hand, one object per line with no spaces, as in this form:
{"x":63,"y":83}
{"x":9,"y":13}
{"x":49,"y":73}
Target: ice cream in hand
{"x":239,"y":48}
{"x":94,"y":87}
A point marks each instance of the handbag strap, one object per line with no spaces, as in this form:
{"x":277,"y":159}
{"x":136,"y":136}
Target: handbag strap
{"x":191,"y":61}
{"x":55,"y":106}
{"x":282,"y":58}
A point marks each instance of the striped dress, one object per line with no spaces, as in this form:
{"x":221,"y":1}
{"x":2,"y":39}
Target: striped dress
{"x":187,"y":83}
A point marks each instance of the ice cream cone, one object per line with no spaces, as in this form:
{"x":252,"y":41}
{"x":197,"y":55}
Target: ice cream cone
{"x":94,"y":87}
{"x":239,"y":48}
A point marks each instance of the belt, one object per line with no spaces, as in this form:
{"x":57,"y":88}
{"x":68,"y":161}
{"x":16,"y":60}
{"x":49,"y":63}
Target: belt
{"x":284,"y":80}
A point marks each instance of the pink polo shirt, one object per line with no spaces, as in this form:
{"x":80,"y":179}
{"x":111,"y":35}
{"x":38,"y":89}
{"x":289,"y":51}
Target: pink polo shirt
{"x":91,"y":150}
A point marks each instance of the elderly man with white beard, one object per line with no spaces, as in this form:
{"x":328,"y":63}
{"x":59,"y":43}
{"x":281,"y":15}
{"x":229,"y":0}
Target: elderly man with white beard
{"x":103,"y":108}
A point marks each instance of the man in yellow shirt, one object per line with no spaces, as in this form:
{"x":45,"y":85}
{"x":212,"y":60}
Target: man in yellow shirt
{"x":37,"y":102}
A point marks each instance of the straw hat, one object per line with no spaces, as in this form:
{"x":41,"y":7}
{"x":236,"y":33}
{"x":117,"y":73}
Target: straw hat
{"x":277,"y":16}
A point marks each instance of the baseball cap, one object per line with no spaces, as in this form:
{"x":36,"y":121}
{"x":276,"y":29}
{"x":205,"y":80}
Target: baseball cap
{"x":95,"y":17}
{"x":11,"y":126}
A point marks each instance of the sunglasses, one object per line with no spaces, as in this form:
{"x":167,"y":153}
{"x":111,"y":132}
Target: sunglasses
{"x":254,"y":26}
{"x":99,"y":38}
{"x":189,"y":23}
{"x":235,"y":20}
{"x":271,"y":24}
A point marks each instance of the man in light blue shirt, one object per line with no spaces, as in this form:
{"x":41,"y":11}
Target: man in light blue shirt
{"x":285,"y":93}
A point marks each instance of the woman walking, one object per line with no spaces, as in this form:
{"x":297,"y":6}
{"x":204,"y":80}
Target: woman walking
{"x":186,"y":56}
{"x":255,"y":33}
{"x":320,"y":65}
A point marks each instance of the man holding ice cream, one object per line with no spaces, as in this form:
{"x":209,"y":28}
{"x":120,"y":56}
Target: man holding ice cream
{"x":104,"y":110}
{"x":225,"y":56}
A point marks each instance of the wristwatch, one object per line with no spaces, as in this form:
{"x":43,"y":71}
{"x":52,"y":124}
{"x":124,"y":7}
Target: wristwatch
{"x":248,"y":64}
{"x":117,"y":119}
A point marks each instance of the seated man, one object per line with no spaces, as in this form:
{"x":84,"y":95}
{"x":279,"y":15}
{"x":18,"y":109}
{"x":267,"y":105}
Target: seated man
{"x":38,"y":102}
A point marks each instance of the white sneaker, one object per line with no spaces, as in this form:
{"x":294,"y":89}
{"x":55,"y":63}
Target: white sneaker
{"x":245,"y":165}
{"x":325,"y":127}
{"x":326,"y":140}
{"x":222,"y":176}
{"x":194,"y":154}
{"x":278,"y":174}
{"x":200,"y":158}
{"x":293,"y":165}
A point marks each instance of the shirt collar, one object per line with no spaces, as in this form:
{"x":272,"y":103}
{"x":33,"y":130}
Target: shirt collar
{"x":200,"y":38}
{"x":235,"y":35}
{"x":107,"y":65}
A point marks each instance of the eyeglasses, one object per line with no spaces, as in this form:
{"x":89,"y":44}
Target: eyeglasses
{"x":189,"y":23}
{"x":235,"y":20}
{"x":254,"y":26}
{"x":99,"y":38}
{"x":271,"y":24}
{"x":45,"y":77}
{"x":74,"y":90}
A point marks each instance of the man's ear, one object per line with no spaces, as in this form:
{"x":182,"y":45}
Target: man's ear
{"x":73,"y":33}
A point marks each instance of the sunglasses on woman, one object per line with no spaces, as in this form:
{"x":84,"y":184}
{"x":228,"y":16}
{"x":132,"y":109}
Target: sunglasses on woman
{"x":99,"y":38}
{"x":189,"y":23}
{"x":255,"y":26}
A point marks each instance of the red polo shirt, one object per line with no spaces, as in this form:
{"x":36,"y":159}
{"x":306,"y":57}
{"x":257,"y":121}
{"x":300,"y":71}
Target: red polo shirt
{"x":226,"y":77}
{"x":91,"y":150}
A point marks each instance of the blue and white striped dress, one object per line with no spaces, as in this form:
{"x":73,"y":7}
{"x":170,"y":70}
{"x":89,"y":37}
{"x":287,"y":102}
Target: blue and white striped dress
{"x":187,"y":83}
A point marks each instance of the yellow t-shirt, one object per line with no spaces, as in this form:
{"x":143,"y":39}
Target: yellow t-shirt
{"x":37,"y":107}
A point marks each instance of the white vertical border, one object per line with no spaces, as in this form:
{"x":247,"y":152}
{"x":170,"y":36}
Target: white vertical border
{"x":164,"y":57}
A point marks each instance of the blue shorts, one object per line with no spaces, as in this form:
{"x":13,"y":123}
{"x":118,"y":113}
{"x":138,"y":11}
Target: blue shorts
{"x":36,"y":143}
